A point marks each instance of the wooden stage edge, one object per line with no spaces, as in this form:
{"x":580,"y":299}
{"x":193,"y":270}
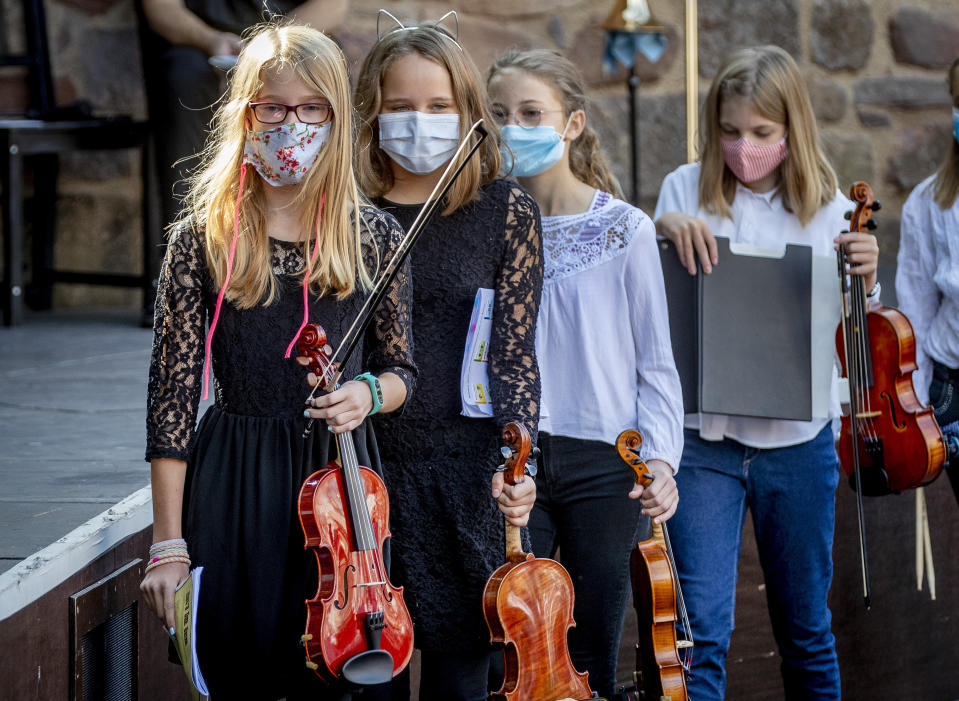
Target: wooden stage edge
{"x":36,"y":636}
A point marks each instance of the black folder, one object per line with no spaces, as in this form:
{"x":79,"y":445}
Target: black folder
{"x":742,"y":335}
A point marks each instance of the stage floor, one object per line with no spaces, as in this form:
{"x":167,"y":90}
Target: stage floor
{"x":72,"y":423}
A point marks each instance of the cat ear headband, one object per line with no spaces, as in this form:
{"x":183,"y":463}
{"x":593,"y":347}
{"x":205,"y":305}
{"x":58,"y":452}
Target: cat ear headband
{"x":451,"y":32}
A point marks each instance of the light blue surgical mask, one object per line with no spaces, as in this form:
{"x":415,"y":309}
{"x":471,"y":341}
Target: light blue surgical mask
{"x":419,"y":142}
{"x":955,"y":123}
{"x":534,"y":149}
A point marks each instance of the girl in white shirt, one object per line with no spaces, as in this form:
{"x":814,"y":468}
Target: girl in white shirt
{"x":602,"y":343}
{"x":762,"y":179}
{"x":927,"y":278}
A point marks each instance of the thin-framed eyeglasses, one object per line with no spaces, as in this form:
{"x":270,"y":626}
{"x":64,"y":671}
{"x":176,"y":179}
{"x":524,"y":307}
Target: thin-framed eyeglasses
{"x":526,"y":117}
{"x":308,"y":112}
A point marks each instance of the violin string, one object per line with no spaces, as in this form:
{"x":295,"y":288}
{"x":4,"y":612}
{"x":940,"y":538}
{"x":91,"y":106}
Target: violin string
{"x":867,"y":422}
{"x":351,"y":474}
{"x":687,"y":653}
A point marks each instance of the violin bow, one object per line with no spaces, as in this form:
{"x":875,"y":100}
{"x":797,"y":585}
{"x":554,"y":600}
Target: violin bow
{"x":422,"y":220}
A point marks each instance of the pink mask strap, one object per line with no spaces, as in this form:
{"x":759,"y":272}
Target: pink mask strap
{"x":306,"y":280}
{"x":226,"y":282}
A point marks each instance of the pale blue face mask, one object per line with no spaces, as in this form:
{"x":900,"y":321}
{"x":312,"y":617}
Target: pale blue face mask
{"x":534,"y":149}
{"x":955,"y":123}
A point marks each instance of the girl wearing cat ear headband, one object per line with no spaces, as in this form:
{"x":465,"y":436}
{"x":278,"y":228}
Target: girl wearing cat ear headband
{"x":417,"y":93}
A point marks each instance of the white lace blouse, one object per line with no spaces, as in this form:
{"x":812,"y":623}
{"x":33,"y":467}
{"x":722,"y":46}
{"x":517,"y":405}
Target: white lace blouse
{"x":602,"y":337}
{"x":927,"y":281}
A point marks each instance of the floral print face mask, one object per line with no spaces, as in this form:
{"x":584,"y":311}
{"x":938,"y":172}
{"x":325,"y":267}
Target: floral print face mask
{"x":284,"y":155}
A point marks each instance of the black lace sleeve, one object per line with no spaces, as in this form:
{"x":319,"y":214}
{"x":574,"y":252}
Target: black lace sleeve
{"x":176,"y":366}
{"x":389,"y":339}
{"x":514,"y":374}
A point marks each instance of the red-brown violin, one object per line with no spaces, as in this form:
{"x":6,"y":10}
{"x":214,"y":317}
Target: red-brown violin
{"x":662,"y":659}
{"x":528,"y":605}
{"x":357,"y":625}
{"x":888,"y":435}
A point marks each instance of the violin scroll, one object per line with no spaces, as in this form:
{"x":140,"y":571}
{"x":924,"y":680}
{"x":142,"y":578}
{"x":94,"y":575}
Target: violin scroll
{"x":516,"y":452}
{"x":312,"y":344}
{"x":628,"y":444}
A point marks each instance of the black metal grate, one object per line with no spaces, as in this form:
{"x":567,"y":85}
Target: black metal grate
{"x":108,"y":658}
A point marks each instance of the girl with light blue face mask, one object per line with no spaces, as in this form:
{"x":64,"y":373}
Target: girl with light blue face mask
{"x":927,"y":280}
{"x":602,"y":340}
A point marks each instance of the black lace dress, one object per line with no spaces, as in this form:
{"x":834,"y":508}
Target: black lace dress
{"x":448,"y":533}
{"x":247,"y":458}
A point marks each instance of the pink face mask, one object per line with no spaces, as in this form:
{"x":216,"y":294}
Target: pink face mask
{"x":749,"y":161}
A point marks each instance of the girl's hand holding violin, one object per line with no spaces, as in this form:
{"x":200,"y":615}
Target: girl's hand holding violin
{"x":343,"y":409}
{"x":692,"y":239}
{"x":515,"y":500}
{"x":661,"y":497}
{"x":862,"y":252}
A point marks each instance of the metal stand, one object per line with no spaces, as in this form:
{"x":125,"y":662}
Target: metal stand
{"x":632,"y":83}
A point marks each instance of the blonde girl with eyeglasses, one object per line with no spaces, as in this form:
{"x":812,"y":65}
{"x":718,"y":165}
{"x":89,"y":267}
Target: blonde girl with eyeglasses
{"x":274,"y":235}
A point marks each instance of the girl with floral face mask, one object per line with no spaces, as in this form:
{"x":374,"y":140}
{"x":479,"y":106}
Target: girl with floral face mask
{"x":762,"y":179}
{"x":274,"y":235}
{"x":927,"y":281}
{"x":417,"y":94}
{"x":602,"y":342}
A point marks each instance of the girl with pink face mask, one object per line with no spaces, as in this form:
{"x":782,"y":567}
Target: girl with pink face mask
{"x":762,"y":179}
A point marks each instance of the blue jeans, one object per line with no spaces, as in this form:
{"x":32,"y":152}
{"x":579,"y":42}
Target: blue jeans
{"x":791,"y":493}
{"x":582,"y":508}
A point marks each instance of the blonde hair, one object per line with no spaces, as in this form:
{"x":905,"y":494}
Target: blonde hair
{"x":586,"y":158}
{"x":769,"y":78}
{"x":330,"y":184}
{"x":947,"y":177}
{"x":434,"y":43}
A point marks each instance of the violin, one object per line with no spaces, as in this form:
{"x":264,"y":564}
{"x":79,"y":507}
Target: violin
{"x":528,"y":605}
{"x":888,"y":436}
{"x":357,"y":626}
{"x":889,"y":442}
{"x":662,"y":660}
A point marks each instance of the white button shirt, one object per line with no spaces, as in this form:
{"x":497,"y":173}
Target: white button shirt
{"x":759,"y":219}
{"x":602,"y":335}
{"x":927,"y":281}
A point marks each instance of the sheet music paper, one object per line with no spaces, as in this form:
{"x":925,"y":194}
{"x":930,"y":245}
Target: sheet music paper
{"x":474,"y":374}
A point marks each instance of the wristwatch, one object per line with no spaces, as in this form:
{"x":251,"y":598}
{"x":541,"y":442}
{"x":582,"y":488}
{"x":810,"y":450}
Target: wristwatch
{"x":375,"y":389}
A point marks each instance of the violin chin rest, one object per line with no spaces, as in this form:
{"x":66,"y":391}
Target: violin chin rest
{"x":368,"y":668}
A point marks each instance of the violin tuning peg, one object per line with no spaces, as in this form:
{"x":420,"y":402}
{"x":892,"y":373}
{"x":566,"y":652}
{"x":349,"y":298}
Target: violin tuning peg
{"x":506,"y":452}
{"x":876,"y":205}
{"x":535,"y":452}
{"x":871,"y":225}
{"x":847,"y":216}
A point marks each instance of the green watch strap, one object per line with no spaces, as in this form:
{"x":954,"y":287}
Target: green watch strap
{"x":375,"y":390}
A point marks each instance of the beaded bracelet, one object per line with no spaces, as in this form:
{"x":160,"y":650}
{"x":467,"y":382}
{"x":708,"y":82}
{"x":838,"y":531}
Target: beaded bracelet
{"x":166,"y":551}
{"x":167,"y":560}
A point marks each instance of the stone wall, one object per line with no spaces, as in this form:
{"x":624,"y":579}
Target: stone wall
{"x":876,"y":71}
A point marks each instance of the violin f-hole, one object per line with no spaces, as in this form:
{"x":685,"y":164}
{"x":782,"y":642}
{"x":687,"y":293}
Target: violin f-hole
{"x":896,"y":421}
{"x":346,"y":588}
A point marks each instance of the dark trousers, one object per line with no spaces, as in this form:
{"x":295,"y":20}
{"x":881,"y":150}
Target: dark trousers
{"x":582,"y":509}
{"x":450,"y":676}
